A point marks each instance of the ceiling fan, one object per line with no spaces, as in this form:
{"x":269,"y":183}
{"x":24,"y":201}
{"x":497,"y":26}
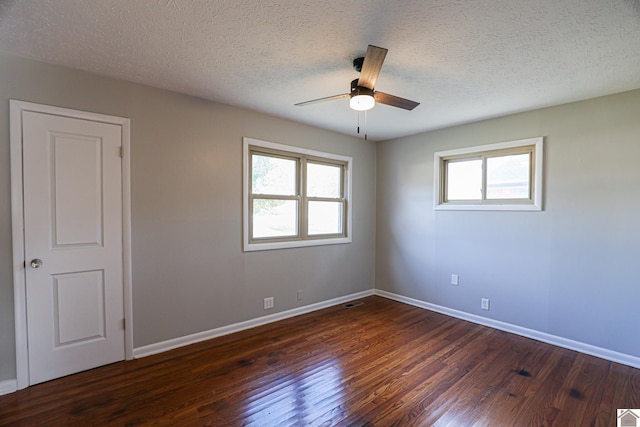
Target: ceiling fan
{"x":363,"y":94}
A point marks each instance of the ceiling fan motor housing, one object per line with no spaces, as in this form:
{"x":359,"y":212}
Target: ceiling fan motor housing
{"x":359,"y":90}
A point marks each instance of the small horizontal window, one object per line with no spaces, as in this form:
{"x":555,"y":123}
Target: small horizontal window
{"x":294,"y":197}
{"x":502,"y":176}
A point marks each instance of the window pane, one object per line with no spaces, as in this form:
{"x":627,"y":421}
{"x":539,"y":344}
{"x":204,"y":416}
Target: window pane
{"x":508,"y":177}
{"x":323,"y":180}
{"x":274,"y":218}
{"x":325,"y":218}
{"x":464,"y":180}
{"x":273,"y":175}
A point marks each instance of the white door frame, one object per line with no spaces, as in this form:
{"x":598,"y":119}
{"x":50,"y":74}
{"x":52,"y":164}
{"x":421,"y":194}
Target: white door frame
{"x":17,"y":225}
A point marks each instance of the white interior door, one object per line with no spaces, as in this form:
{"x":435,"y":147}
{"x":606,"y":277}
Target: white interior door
{"x":73,"y":244}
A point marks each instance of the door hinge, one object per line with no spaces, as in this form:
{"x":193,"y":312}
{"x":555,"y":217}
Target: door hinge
{"x":124,"y":323}
{"x":122,"y":152}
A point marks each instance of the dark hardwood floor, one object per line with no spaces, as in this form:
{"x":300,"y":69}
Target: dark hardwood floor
{"x":382,"y":363}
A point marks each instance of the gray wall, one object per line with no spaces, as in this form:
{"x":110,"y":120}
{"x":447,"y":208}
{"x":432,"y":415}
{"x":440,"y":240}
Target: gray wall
{"x":572,"y":270}
{"x":189,"y":272}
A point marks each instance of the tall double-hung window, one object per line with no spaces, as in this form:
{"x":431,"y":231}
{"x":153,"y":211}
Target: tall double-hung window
{"x":294,"y":197}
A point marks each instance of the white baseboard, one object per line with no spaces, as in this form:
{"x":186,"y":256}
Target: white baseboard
{"x":163,"y":346}
{"x":603,"y":353}
{"x":8,"y":386}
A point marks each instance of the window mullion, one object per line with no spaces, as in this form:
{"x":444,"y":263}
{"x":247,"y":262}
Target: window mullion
{"x":484,"y":179}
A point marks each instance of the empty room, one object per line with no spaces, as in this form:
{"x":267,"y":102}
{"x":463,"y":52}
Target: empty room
{"x":364,"y":213}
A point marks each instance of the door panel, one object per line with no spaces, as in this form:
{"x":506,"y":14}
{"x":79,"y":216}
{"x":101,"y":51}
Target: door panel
{"x":78,"y":307}
{"x":73,"y":222}
{"x":77,"y":190}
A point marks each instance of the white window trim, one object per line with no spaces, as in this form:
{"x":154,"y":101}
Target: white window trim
{"x":246,"y":180}
{"x":536,"y":204}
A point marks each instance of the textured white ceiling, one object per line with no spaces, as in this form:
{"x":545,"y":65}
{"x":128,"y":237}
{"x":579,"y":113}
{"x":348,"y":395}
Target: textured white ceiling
{"x":463,"y":60}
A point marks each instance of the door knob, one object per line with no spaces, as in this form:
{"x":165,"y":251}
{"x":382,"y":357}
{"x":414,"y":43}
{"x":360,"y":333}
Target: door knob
{"x":36,"y":263}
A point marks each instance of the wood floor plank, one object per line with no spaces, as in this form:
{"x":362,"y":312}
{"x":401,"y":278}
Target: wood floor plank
{"x":382,"y":363}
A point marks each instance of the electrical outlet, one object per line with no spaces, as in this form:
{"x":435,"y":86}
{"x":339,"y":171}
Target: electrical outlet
{"x":484,"y":303}
{"x":268,"y":303}
{"x":454,"y":279}
{"x":300,"y":292}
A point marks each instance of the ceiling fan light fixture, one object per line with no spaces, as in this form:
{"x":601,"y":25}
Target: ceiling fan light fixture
{"x":362,"y":102}
{"x":361,"y":97}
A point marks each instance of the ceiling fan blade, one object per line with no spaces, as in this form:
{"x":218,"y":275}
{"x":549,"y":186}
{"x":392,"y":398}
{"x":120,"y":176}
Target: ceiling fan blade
{"x":327,"y":98}
{"x":371,"y":67}
{"x":395,"y":101}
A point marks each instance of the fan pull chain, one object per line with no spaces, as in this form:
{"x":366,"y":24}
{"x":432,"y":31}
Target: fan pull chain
{"x":365,"y":125}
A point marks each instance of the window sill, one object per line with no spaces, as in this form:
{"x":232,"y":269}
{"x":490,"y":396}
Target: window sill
{"x":462,"y":207}
{"x":250,"y":247}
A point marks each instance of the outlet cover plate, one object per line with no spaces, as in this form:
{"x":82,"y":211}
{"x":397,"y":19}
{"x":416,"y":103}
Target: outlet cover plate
{"x":484,"y":303}
{"x":268,"y":303}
